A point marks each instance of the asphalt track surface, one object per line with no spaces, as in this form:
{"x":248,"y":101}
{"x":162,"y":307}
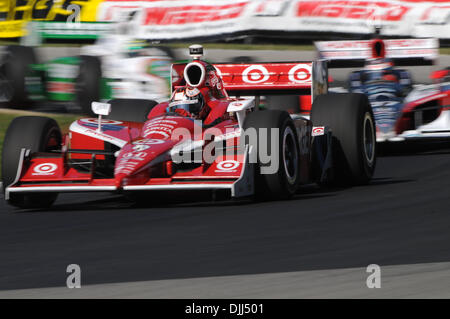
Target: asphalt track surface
{"x":314,"y":245}
{"x":401,"y":218}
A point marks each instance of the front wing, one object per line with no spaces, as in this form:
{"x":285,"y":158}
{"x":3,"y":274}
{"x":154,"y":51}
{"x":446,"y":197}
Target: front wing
{"x":48,"y":174}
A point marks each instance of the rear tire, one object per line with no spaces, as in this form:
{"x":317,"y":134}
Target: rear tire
{"x":38,"y":134}
{"x":350,"y":118}
{"x":16,"y":68}
{"x":88,"y":83}
{"x":284,"y":181}
{"x":130,"y":110}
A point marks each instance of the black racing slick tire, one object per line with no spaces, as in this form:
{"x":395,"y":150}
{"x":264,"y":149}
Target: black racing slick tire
{"x":350,"y":118}
{"x":88,"y":83}
{"x":37,"y":134}
{"x":130,"y":110}
{"x":15,"y":70}
{"x":278,"y":178}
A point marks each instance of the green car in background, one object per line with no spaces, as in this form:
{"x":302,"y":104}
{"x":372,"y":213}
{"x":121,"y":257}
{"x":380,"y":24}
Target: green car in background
{"x":114,"y":67}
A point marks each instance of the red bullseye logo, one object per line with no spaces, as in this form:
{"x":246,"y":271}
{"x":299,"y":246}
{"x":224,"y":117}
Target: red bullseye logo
{"x":255,"y":74}
{"x":45,"y":169}
{"x":300,"y":73}
{"x":320,"y":130}
{"x":227,"y":166}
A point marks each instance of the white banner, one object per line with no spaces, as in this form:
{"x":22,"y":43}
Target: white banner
{"x":176,"y":19}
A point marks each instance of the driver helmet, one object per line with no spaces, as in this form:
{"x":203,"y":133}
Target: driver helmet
{"x":390,"y":77}
{"x":187,"y":101}
{"x":379,"y":69}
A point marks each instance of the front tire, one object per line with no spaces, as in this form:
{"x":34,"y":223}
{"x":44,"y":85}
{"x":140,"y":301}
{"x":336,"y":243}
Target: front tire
{"x":350,"y":118}
{"x":274,"y":181}
{"x":38,"y":134}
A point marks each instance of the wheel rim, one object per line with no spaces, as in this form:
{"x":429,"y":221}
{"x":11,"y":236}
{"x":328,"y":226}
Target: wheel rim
{"x":369,"y":139}
{"x":290,"y":155}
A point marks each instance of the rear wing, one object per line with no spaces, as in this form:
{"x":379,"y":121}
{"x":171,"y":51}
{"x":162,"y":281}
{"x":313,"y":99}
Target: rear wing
{"x":401,"y":51}
{"x":273,"y":78}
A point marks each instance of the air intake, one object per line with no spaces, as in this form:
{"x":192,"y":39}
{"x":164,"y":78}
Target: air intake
{"x":194,"y":74}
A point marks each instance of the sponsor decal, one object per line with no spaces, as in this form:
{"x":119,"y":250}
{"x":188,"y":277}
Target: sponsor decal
{"x":45,"y":169}
{"x":149,"y":141}
{"x":255,"y":74}
{"x":163,"y":127}
{"x":76,"y":127}
{"x":365,"y":10}
{"x":178,"y":96}
{"x":192,"y":92}
{"x":229,"y":135}
{"x":129,"y":162}
{"x":190,"y":14}
{"x":300,"y":74}
{"x":175,"y":103}
{"x":227,"y":166}
{"x":60,"y":70}
{"x":60,"y":87}
{"x":140,"y":147}
{"x":214,"y":80}
{"x":158,"y":131}
{"x":319,"y":130}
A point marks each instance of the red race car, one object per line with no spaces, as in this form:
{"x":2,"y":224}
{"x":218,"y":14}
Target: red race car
{"x":201,"y":139}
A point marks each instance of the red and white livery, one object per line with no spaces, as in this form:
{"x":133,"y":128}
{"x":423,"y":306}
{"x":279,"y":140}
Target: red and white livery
{"x":206,"y":137}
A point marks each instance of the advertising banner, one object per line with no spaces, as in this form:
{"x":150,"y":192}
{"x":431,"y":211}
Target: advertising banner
{"x":16,"y":14}
{"x":182,"y":19}
{"x":175,"y":19}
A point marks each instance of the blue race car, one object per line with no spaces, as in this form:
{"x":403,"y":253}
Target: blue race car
{"x":402,"y":111}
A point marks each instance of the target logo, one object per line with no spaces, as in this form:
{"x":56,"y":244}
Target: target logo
{"x":300,"y":73}
{"x":227,"y":166}
{"x":45,"y":169}
{"x":320,"y":130}
{"x":255,"y":74}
